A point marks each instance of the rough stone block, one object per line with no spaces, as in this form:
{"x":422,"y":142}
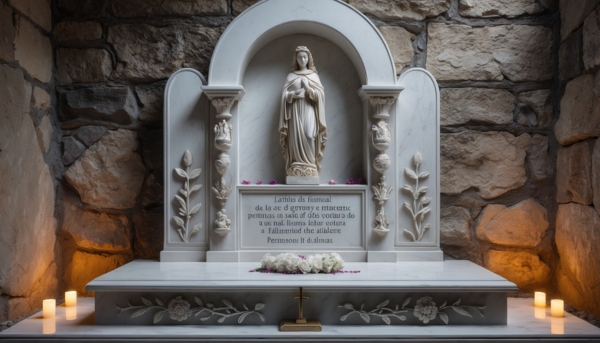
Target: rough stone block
{"x":37,"y":10}
{"x":110,"y":174}
{"x":461,"y":105}
{"x":153,"y":190}
{"x":499,"y":8}
{"x":72,"y":149}
{"x":400,"y":42}
{"x":8,"y":31}
{"x":89,"y":134}
{"x":143,"y":8}
{"x":149,"y":233}
{"x":570,"y":59}
{"x":82,"y":66}
{"x":239,"y":6}
{"x":26,"y":191}
{"x":491,"y":162}
{"x":77,"y":31}
{"x":152,"y":149}
{"x":45,"y":288}
{"x":409,"y":9}
{"x":96,"y":231}
{"x":455,"y":224}
{"x":596,"y":175}
{"x":44,"y":134}
{"x":579,"y":111}
{"x":591,"y":40}
{"x":573,"y":13}
{"x":523,"y":225}
{"x":574,"y":174}
{"x":523,"y":268}
{"x":461,"y":52}
{"x":540,"y":166}
{"x":33,"y":51}
{"x":40,"y":99}
{"x":113,"y":104}
{"x":578,"y":243}
{"x":83,"y":8}
{"x":146,"y":53}
{"x":152,"y":104}
{"x":541,"y":103}
{"x":83,"y":267}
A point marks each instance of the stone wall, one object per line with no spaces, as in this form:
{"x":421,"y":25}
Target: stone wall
{"x":497,"y":64}
{"x":29,"y":133}
{"x":578,"y":160}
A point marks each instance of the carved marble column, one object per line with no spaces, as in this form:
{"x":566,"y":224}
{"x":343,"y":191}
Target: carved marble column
{"x":223,"y":99}
{"x":381,"y":99}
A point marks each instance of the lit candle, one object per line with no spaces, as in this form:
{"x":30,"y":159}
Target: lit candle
{"x":49,"y":308}
{"x":540,"y":299}
{"x":71,"y":298}
{"x":557,"y":308}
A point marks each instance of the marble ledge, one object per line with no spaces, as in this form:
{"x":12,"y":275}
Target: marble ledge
{"x":522,"y":326}
{"x":451,"y":276}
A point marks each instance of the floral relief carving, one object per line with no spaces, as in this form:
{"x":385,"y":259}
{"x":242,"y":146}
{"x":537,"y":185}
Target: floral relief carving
{"x":183,"y":198}
{"x":425,"y":310}
{"x":419,"y":208}
{"x":381,"y":194}
{"x":221,"y":191}
{"x":223,"y":223}
{"x":180,"y":309}
{"x":223,"y":106}
{"x":381,"y":136}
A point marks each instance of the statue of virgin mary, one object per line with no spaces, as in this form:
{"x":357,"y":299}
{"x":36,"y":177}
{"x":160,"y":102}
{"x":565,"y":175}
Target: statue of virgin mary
{"x":302,"y":129}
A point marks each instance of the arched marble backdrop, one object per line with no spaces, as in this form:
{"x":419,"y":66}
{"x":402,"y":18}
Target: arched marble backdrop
{"x":260,"y":153}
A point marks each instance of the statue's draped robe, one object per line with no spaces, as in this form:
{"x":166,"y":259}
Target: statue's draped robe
{"x":302,"y":128}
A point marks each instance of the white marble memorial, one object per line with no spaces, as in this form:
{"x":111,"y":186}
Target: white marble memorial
{"x":303,"y":140}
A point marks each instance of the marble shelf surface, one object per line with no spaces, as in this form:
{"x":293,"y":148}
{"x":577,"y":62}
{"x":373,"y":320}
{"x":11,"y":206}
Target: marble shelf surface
{"x":522,"y":326}
{"x":453,"y":275}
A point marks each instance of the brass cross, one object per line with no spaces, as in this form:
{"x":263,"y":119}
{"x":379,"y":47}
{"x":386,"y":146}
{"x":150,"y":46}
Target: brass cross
{"x":301,"y":319}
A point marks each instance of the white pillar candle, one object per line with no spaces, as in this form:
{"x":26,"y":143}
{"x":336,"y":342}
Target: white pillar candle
{"x":557,"y":308}
{"x":71,"y":298}
{"x":49,"y":308}
{"x":540,"y":299}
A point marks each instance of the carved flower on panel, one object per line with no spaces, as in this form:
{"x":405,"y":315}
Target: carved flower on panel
{"x":425,"y":309}
{"x":179,"y":309}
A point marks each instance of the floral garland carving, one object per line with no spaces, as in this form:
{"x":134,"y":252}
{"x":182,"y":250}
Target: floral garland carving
{"x":418,"y":209}
{"x":179,"y":309}
{"x":184,"y":211}
{"x":425,"y":309}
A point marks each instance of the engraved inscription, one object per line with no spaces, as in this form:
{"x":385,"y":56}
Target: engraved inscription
{"x":301,"y":221}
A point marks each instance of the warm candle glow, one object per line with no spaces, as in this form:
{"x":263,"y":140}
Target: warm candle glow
{"x":71,"y":298}
{"x":540,"y":313}
{"x":49,"y":326}
{"x":71,"y":313}
{"x":540,"y":299}
{"x":557,"y":308}
{"x":557,"y":326}
{"x":49,"y":308}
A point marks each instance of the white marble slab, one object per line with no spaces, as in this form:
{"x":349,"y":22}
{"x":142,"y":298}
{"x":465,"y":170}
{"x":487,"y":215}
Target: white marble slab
{"x":451,"y":275}
{"x":522,"y":325}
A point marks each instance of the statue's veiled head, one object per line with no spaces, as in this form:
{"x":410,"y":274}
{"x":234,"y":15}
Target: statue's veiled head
{"x":303,"y":57}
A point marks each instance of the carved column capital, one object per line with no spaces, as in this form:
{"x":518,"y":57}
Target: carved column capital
{"x":223,"y":106}
{"x":382,"y":106}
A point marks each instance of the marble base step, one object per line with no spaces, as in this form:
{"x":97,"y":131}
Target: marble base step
{"x":433,"y":293}
{"x":525,"y":324}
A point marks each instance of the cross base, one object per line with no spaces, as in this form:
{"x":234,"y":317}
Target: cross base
{"x":294,"y":325}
